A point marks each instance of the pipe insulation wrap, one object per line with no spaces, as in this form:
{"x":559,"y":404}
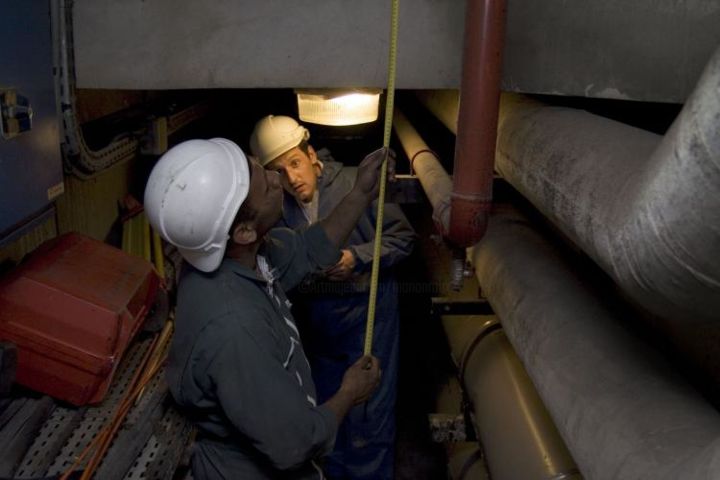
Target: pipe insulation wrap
{"x":443,"y":104}
{"x":619,"y":406}
{"x":435,"y":181}
{"x":646,"y":208}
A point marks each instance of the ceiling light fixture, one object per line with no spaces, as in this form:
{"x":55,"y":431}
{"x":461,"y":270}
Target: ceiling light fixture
{"x":339,"y":107}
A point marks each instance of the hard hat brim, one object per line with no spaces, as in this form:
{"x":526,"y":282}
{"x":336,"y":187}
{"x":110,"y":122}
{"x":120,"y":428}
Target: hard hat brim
{"x":202,"y":260}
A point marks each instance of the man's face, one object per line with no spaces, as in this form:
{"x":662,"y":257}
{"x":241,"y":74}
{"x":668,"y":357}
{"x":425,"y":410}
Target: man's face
{"x":264,"y":197}
{"x":298,"y":172}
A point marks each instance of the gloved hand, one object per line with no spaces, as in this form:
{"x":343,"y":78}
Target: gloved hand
{"x":343,"y":269}
{"x":368,"y":176}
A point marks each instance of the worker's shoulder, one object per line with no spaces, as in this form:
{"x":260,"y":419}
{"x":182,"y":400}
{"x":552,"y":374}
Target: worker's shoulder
{"x":211,"y":308}
{"x":194,"y":283}
{"x":238,"y":327}
{"x":333,"y":171}
{"x":337,"y":181}
{"x":222,"y":292}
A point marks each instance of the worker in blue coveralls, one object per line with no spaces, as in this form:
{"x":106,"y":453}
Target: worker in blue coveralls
{"x":236,"y":365}
{"x":332,"y":307}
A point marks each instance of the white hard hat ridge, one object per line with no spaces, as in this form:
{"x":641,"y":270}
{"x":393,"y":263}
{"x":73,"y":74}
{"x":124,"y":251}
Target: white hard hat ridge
{"x":274,"y":135}
{"x":193,"y":195}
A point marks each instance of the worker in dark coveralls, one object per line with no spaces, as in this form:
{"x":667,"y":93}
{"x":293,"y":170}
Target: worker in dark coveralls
{"x":236,"y":365}
{"x":332,"y":308}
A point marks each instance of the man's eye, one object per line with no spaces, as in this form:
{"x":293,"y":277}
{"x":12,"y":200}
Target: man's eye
{"x":294,"y":164}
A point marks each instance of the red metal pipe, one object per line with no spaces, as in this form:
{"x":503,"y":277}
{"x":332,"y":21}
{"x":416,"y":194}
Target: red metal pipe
{"x":471,"y":197}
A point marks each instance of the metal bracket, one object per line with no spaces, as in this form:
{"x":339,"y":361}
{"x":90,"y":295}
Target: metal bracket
{"x":15,"y":113}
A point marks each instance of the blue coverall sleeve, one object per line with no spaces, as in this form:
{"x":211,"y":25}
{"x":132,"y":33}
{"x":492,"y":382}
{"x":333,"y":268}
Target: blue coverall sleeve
{"x":265,"y":403}
{"x":397,"y":241}
{"x":296,"y":253}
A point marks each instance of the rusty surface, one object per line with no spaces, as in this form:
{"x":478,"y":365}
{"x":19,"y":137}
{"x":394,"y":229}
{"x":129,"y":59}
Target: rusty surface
{"x":477,"y":120}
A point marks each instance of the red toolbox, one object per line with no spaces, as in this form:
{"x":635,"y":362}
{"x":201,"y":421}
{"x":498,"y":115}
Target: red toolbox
{"x":71,"y":309}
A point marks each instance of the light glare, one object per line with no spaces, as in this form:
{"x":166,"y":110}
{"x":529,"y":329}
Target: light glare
{"x":338,"y":110}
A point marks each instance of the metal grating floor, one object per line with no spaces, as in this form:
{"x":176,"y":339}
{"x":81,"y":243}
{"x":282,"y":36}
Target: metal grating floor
{"x":164,"y":449}
{"x":68,"y":430}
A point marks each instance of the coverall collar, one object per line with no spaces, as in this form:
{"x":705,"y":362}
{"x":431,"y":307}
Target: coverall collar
{"x":243,"y":271}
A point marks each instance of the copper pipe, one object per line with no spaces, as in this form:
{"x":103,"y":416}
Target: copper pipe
{"x":477,"y":120}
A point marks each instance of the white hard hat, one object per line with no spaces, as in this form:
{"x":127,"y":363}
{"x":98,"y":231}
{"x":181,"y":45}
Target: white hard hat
{"x":275,"y":135}
{"x":193,"y":195}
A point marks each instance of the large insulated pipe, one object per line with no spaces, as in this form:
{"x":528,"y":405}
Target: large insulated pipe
{"x":479,"y":97}
{"x":434,"y":179}
{"x":622,"y":410}
{"x":443,"y":104}
{"x":516,"y":431}
{"x":645,"y":208}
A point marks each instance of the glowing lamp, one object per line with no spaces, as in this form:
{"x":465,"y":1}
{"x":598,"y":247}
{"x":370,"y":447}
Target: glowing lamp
{"x":338,"y":107}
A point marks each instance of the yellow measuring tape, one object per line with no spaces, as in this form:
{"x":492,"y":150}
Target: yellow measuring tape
{"x":389,"y":105}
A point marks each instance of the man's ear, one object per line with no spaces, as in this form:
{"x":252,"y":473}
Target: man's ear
{"x":314,"y":160}
{"x":244,"y":233}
